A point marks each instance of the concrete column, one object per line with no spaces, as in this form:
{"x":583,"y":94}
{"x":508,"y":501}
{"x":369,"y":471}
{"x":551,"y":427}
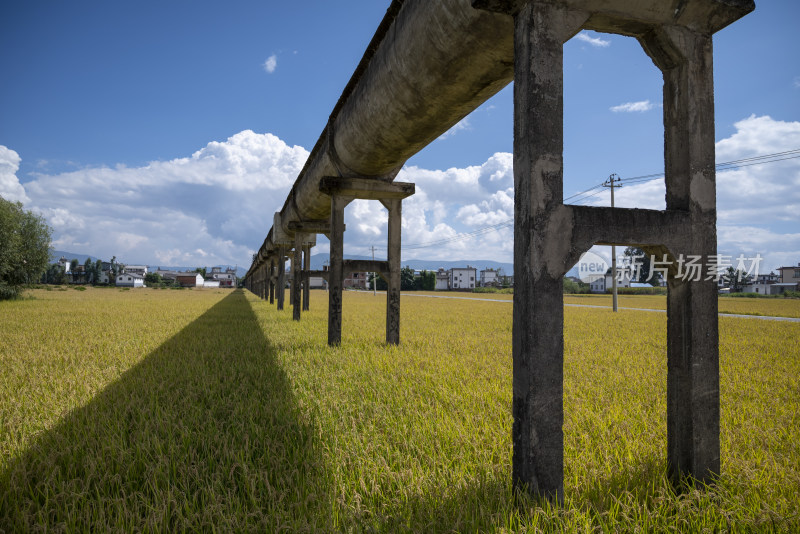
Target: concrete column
{"x":693,"y":410}
{"x":281,"y":277}
{"x":297,"y":276}
{"x":336,"y":278}
{"x":264,"y":281}
{"x":290,"y":256}
{"x":393,"y":293}
{"x":271,"y":282}
{"x":306,"y":279}
{"x":538,"y":340}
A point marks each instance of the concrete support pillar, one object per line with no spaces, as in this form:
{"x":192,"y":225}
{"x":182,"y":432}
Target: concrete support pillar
{"x":271,"y":281}
{"x":306,"y":279}
{"x":264,"y":281}
{"x":693,"y":446}
{"x":297,"y":276}
{"x":281,"y":277}
{"x":336,"y":276}
{"x":393,"y":293}
{"x":290,"y":256}
{"x":538,"y":341}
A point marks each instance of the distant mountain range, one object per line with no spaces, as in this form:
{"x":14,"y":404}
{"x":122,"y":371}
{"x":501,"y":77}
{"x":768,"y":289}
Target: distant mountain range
{"x":317,"y":261}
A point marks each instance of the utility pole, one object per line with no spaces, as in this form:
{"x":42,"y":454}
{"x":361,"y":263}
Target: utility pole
{"x":611,"y":183}
{"x":374,"y":281}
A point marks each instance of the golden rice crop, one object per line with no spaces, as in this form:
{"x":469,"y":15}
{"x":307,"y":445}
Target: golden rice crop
{"x":193,"y":410}
{"x":776,"y":307}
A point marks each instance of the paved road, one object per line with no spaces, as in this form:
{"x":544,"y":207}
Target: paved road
{"x":762,"y":317}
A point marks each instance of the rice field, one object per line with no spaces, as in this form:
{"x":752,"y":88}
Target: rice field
{"x":165,"y":410}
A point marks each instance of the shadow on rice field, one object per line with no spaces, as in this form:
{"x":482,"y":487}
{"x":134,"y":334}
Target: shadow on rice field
{"x":202,"y":433}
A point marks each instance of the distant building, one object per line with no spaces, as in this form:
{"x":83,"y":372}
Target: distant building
{"x":771,"y":278}
{"x":130,"y":280}
{"x":463,"y":277}
{"x":226,"y":278}
{"x":317,"y":282}
{"x":104,"y":277}
{"x":135,"y":269}
{"x":356,"y":281}
{"x":190,"y":279}
{"x":167,"y":275}
{"x":489,"y":277}
{"x":605,"y":283}
{"x":790,"y":275}
{"x":442,"y":280}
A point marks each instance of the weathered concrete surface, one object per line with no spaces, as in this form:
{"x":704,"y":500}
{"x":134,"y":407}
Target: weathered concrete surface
{"x":394,"y":206}
{"x":550,"y":237}
{"x":306,"y":280}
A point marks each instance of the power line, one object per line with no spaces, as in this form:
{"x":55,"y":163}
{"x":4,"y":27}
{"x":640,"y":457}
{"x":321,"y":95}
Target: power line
{"x":583,"y":196}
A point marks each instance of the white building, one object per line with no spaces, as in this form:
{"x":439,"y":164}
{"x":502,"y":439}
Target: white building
{"x":211,"y":283}
{"x":135,"y":269}
{"x":225,"y":279}
{"x":130,"y":280}
{"x":463,"y":277}
{"x":489,"y":277}
{"x":442,"y":280}
{"x":605,"y":283}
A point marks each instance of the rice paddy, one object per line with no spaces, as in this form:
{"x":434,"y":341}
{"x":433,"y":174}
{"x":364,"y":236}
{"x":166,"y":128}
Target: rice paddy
{"x":195,"y":410}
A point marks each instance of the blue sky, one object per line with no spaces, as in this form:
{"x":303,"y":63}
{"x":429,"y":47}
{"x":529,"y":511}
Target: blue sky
{"x":169,"y":132}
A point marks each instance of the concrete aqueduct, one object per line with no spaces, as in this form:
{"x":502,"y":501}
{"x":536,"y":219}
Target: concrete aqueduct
{"x":429,"y":64}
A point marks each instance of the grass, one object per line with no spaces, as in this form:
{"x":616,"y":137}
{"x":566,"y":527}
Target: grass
{"x":737,"y":306}
{"x":211,"y":410}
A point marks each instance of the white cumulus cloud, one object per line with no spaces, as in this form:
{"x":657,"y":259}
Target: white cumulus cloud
{"x":214,"y":206}
{"x":594,"y":41}
{"x":758,"y":205}
{"x":271,"y":64}
{"x":633,"y":107}
{"x":10,"y":187}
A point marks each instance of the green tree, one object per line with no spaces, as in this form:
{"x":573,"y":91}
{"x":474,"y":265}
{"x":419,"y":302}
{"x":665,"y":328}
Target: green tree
{"x":24,"y":247}
{"x":201,"y":270}
{"x":88,"y":270}
{"x":152,"y":279}
{"x":114,"y":270}
{"x":406,"y":279}
{"x":380,"y":283}
{"x":736,"y":279}
{"x":98,"y":271}
{"x":571,"y":286}
{"x":638,"y":256}
{"x":426,"y":281}
{"x":55,"y":274}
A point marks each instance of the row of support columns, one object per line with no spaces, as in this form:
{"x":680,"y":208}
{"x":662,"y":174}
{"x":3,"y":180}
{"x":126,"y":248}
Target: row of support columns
{"x":342,"y":191}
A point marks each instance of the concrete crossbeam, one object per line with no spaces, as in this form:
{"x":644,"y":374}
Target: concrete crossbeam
{"x":364,"y":188}
{"x":366,"y":266}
